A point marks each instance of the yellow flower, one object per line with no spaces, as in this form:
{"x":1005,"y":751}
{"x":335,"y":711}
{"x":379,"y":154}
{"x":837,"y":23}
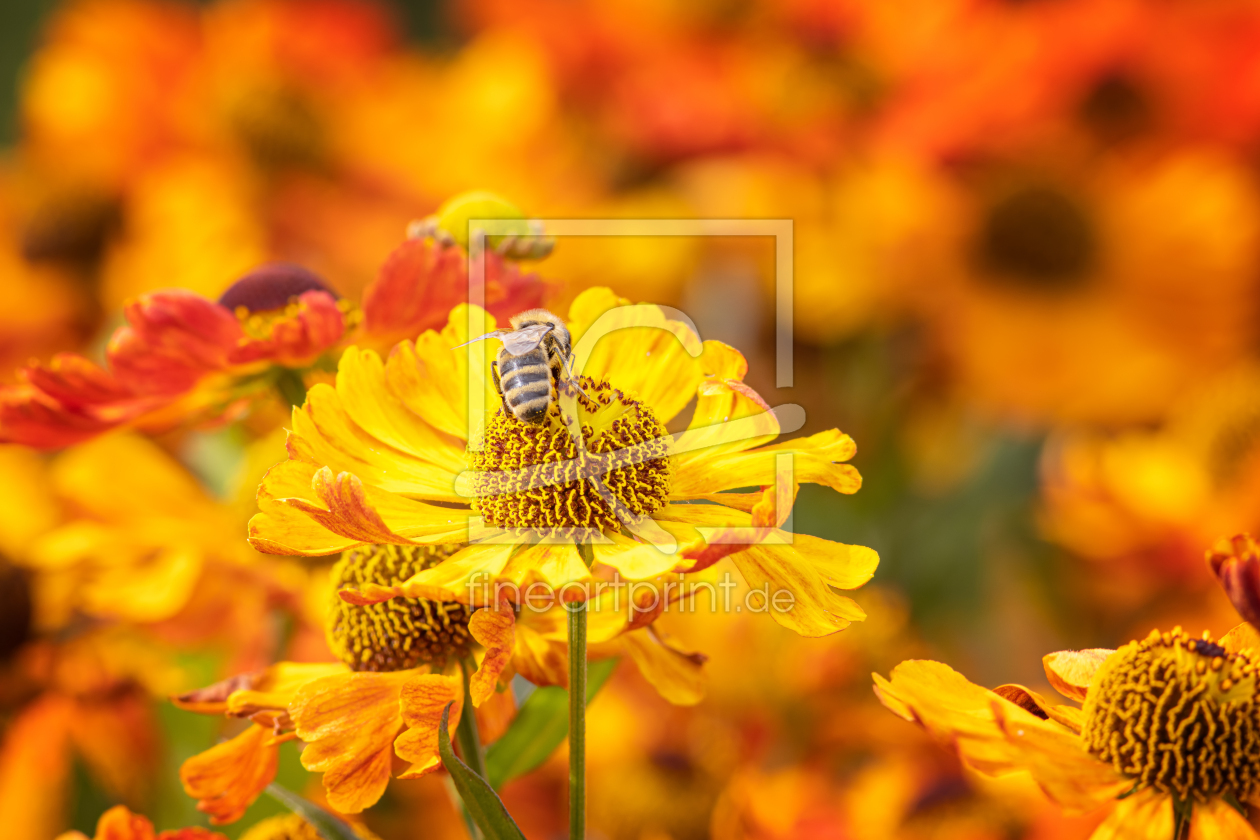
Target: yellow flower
{"x":400,"y":666}
{"x":1168,"y":734}
{"x":383,"y":458}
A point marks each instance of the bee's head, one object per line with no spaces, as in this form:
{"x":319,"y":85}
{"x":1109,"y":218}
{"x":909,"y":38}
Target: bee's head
{"x":532,"y":317}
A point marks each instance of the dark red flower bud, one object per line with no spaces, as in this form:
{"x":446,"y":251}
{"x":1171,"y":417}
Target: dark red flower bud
{"x":272,"y":286}
{"x":1236,"y":564}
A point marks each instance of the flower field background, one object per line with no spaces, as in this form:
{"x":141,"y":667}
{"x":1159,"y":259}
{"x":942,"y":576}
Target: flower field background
{"x":1026,"y":282}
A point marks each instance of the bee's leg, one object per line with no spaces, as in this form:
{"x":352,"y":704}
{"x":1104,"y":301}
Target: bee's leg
{"x":573,"y":379}
{"x":494,"y":374}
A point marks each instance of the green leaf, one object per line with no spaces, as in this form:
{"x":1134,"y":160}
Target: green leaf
{"x":329,"y":826}
{"x":480,"y":801}
{"x":540,"y":727}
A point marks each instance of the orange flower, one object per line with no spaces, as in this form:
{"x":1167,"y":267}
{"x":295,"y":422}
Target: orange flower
{"x":183,"y":357}
{"x":402,"y":663}
{"x":120,"y":824}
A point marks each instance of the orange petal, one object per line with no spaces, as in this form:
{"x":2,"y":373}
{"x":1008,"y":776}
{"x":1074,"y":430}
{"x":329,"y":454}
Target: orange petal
{"x":423,"y":699}
{"x":1216,"y":819}
{"x":228,"y":777}
{"x":1146,"y":815}
{"x":1071,"y":671}
{"x":493,"y":628}
{"x":348,"y":722}
{"x":495,"y":716}
{"x":35,"y":768}
{"x":118,"y":823}
{"x":296,"y":339}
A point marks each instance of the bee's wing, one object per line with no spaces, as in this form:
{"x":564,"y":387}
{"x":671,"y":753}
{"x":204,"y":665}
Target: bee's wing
{"x":526,"y":339}
{"x":515,"y":341}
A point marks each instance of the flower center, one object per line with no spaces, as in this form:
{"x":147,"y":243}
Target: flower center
{"x":1179,"y":715}
{"x":535,"y":476}
{"x":401,"y":633}
{"x":1037,"y":238}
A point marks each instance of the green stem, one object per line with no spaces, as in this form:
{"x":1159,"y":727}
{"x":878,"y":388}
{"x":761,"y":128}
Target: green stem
{"x":577,"y":720}
{"x":466,"y":734}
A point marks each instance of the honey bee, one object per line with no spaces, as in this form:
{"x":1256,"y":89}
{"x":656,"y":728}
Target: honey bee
{"x":532,"y":363}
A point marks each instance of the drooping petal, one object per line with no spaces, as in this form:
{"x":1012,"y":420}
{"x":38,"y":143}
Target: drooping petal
{"x":349,"y":722}
{"x":228,"y":777}
{"x":636,"y":560}
{"x":281,"y":528}
{"x":35,"y":762}
{"x":423,"y":699}
{"x":676,"y":673}
{"x":493,"y":628}
{"x":1071,"y":671}
{"x":797,"y":595}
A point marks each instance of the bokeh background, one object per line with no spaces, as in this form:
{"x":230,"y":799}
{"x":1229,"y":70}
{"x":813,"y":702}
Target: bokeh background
{"x":1027,"y":268}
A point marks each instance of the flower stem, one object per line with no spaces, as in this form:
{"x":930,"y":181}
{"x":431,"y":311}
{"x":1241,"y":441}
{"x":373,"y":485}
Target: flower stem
{"x":577,"y":720}
{"x":466,"y":734}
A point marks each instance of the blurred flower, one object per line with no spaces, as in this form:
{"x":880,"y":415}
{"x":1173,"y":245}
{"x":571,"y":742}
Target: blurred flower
{"x":415,"y":407}
{"x":1181,"y":769}
{"x":1120,"y":286}
{"x":1144,"y":501}
{"x":120,"y":824}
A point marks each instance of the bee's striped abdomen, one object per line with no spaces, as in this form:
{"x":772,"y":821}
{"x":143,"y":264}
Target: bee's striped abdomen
{"x":526,"y":384}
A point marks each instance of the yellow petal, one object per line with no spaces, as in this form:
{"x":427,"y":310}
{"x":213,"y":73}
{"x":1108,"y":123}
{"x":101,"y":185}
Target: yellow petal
{"x":817,"y":459}
{"x":1071,"y":671}
{"x":431,"y":379}
{"x":638,"y":349}
{"x":677,"y":674}
{"x":635,"y":560}
{"x":1243,"y":637}
{"x":1146,"y":815}
{"x":353,"y":510}
{"x":1033,"y":703}
{"x":469,"y":575}
{"x":423,"y":699}
{"x":324,"y":434}
{"x":1056,"y":758}
{"x":1216,"y":819}
{"x":369,"y":403}
{"x":280,"y":528}
{"x":228,"y":777}
{"x":996,"y":736}
{"x":799,"y":595}
{"x":493,"y":628}
{"x":349,"y":722}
